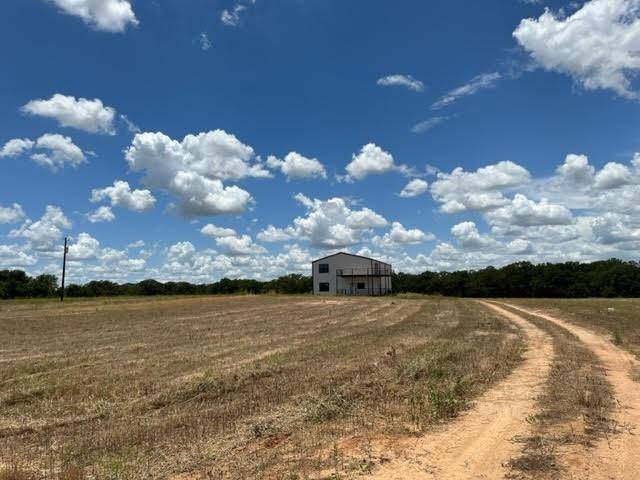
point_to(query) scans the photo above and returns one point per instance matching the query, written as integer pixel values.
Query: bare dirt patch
(573, 412)
(479, 443)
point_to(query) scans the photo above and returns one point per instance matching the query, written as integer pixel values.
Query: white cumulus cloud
(52, 150)
(527, 213)
(213, 231)
(11, 214)
(106, 15)
(15, 257)
(239, 246)
(45, 233)
(469, 238)
(295, 166)
(461, 191)
(414, 188)
(88, 115)
(329, 223)
(399, 236)
(598, 45)
(273, 234)
(371, 160)
(120, 194)
(194, 169)
(101, 214)
(16, 147)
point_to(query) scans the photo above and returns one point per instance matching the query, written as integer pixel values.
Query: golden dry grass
(233, 387)
(619, 319)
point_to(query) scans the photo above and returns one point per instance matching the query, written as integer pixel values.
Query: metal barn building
(347, 274)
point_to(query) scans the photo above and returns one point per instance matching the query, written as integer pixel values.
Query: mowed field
(242, 387)
(616, 319)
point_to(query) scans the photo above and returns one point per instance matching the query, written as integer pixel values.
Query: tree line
(17, 284)
(610, 278)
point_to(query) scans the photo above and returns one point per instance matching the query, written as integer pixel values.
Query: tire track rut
(479, 443)
(618, 456)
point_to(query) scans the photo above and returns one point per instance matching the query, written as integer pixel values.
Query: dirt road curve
(617, 457)
(479, 442)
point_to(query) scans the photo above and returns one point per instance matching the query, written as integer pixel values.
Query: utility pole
(64, 268)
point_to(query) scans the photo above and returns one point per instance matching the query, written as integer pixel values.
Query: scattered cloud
(44, 234)
(482, 190)
(239, 246)
(399, 236)
(527, 213)
(11, 214)
(414, 188)
(105, 15)
(329, 223)
(272, 234)
(88, 115)
(15, 257)
(613, 175)
(481, 82)
(185, 262)
(101, 214)
(597, 46)
(398, 80)
(295, 166)
(428, 124)
(16, 147)
(84, 247)
(371, 160)
(469, 238)
(193, 170)
(59, 151)
(121, 195)
(132, 127)
(205, 43)
(214, 231)
(232, 17)
(53, 151)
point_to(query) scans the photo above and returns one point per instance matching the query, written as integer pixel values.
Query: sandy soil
(478, 444)
(616, 457)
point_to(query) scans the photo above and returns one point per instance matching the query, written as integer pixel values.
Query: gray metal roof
(351, 255)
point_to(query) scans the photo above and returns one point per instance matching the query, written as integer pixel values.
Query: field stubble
(234, 387)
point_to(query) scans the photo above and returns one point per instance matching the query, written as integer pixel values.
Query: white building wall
(346, 284)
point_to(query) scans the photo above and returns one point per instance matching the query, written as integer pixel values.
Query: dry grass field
(235, 387)
(618, 319)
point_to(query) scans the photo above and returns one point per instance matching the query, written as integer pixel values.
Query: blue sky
(196, 139)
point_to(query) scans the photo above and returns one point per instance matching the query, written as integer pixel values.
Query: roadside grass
(235, 387)
(619, 319)
(574, 409)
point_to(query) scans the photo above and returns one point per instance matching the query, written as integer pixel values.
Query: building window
(361, 286)
(323, 268)
(324, 287)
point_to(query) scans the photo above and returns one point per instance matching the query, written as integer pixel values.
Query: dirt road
(479, 443)
(616, 457)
